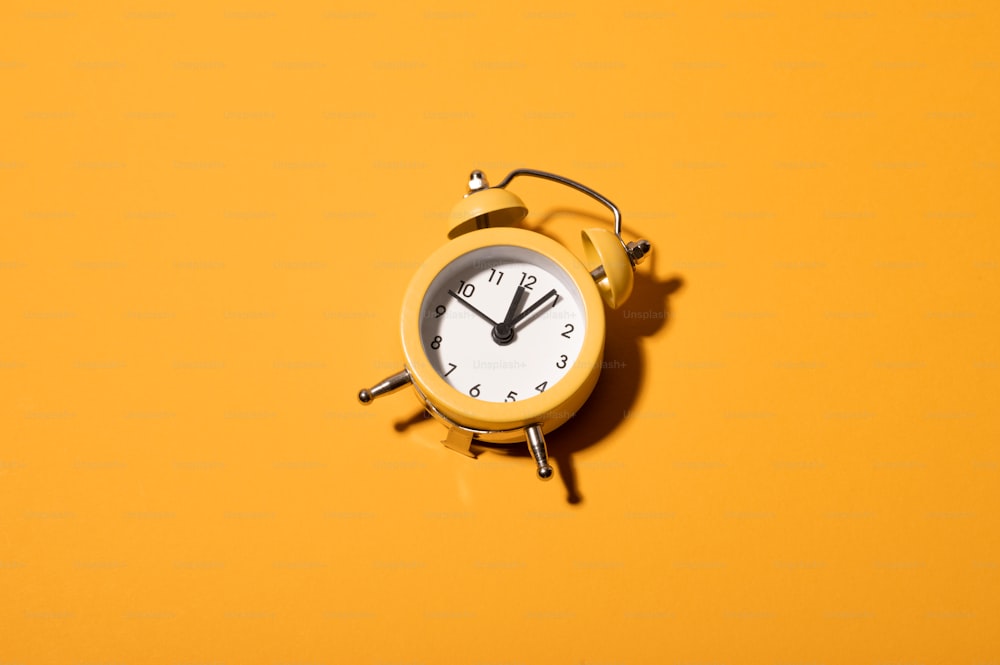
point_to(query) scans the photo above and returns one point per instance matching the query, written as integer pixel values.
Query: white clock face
(502, 323)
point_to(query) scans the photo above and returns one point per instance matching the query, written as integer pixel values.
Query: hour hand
(538, 303)
(473, 308)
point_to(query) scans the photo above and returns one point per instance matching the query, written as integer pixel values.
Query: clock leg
(385, 387)
(460, 441)
(536, 444)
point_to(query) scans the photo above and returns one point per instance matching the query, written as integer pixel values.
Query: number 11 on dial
(502, 340)
(503, 328)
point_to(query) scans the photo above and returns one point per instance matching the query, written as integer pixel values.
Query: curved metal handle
(580, 187)
(636, 251)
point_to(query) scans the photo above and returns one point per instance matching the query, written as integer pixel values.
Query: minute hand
(472, 307)
(538, 303)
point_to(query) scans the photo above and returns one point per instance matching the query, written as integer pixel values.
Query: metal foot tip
(545, 472)
(365, 396)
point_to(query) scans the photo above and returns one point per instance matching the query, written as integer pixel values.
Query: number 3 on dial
(502, 332)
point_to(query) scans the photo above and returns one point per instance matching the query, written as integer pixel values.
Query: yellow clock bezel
(550, 408)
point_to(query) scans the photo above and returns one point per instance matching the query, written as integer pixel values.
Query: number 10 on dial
(503, 328)
(502, 340)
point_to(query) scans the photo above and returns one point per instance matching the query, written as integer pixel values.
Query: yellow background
(209, 214)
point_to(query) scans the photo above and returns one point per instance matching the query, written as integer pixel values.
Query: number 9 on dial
(503, 328)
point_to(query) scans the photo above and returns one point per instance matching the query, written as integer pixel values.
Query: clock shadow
(646, 314)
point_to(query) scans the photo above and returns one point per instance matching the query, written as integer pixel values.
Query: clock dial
(502, 323)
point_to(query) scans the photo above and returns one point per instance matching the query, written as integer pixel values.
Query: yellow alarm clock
(503, 328)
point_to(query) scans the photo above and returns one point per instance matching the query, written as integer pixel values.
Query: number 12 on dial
(503, 328)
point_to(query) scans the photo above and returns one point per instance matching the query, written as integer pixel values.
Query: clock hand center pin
(503, 332)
